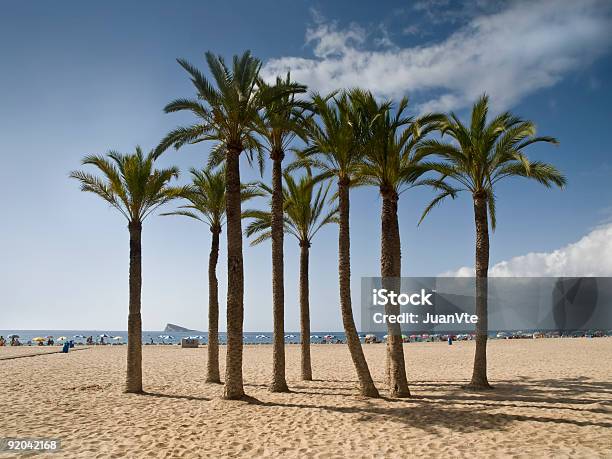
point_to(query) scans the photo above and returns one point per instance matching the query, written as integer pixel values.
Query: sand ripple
(552, 399)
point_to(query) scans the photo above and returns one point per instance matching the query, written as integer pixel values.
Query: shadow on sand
(175, 396)
(455, 409)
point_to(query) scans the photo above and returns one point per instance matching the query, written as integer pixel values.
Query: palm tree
(227, 113)
(304, 216)
(131, 185)
(336, 148)
(479, 156)
(281, 120)
(392, 165)
(206, 197)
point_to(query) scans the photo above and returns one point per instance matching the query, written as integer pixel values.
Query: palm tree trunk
(367, 387)
(479, 374)
(278, 384)
(134, 344)
(234, 388)
(305, 311)
(212, 366)
(390, 268)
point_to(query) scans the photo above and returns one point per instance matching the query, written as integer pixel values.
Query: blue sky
(82, 77)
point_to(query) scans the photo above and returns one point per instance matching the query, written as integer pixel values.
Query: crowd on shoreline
(104, 339)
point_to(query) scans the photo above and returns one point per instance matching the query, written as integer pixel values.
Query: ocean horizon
(160, 336)
(254, 337)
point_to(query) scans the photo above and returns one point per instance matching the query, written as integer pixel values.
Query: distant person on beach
(90, 340)
(2, 342)
(102, 340)
(152, 342)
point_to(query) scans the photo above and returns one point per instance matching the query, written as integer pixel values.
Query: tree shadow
(176, 396)
(455, 409)
(423, 415)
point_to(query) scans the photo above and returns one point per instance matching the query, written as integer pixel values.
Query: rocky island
(172, 328)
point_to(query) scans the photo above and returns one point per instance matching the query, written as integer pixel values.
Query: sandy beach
(552, 398)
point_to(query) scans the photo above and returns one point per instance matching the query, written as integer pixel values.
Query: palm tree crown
(226, 113)
(283, 118)
(304, 211)
(390, 159)
(206, 197)
(130, 183)
(484, 153)
(336, 141)
(230, 112)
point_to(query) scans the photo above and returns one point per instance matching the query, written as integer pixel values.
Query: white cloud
(590, 256)
(328, 41)
(412, 29)
(509, 54)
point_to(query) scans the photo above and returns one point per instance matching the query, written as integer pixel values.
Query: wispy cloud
(455, 11)
(590, 256)
(509, 54)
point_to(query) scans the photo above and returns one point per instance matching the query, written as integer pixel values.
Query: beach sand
(552, 398)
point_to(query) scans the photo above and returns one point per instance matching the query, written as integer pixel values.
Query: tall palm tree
(305, 215)
(477, 158)
(392, 165)
(227, 112)
(130, 184)
(336, 148)
(206, 197)
(282, 119)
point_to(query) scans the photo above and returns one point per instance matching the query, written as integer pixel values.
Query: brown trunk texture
(305, 312)
(278, 383)
(390, 269)
(234, 388)
(212, 366)
(366, 383)
(479, 374)
(134, 344)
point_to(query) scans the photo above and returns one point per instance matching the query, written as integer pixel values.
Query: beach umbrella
(117, 338)
(261, 337)
(328, 337)
(39, 338)
(12, 336)
(79, 336)
(104, 335)
(62, 338)
(49, 337)
(289, 336)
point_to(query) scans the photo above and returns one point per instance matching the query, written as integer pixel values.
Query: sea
(161, 337)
